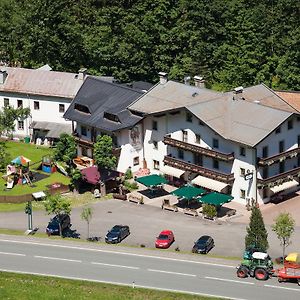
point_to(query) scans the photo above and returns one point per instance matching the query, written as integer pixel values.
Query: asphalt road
(137, 267)
(146, 222)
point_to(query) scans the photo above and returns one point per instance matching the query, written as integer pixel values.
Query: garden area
(34, 154)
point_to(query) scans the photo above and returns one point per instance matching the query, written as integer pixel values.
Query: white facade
(42, 108)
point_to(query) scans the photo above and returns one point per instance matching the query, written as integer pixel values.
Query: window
(265, 193)
(83, 131)
(82, 108)
(180, 154)
(215, 164)
(21, 125)
(6, 102)
(197, 138)
(155, 164)
(198, 159)
(242, 194)
(281, 146)
(265, 151)
(298, 140)
(265, 173)
(242, 151)
(281, 167)
(215, 143)
(136, 161)
(154, 125)
(155, 145)
(290, 124)
(61, 108)
(189, 117)
(36, 105)
(242, 172)
(278, 130)
(184, 136)
(20, 103)
(111, 117)
(298, 119)
(84, 151)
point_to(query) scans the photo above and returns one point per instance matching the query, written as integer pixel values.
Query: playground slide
(61, 169)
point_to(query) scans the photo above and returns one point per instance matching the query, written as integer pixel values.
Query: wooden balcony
(267, 161)
(198, 149)
(183, 165)
(82, 142)
(279, 178)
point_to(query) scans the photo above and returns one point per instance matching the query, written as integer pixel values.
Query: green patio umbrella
(189, 192)
(151, 180)
(216, 199)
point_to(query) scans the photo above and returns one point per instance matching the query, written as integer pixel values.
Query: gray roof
(248, 119)
(54, 129)
(41, 82)
(100, 97)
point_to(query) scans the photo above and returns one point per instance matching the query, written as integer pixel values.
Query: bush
(209, 211)
(128, 174)
(130, 185)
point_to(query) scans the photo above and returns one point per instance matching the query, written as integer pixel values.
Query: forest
(229, 42)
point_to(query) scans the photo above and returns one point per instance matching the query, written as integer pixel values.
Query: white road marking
(118, 266)
(58, 258)
(124, 284)
(229, 280)
(169, 272)
(12, 253)
(122, 253)
(281, 287)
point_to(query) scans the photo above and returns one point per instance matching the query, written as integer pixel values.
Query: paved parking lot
(146, 221)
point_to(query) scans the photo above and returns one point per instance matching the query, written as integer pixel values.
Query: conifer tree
(257, 235)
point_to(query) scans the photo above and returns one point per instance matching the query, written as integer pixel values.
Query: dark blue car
(53, 225)
(117, 234)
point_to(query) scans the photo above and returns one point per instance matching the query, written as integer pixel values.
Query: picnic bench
(167, 206)
(191, 212)
(135, 199)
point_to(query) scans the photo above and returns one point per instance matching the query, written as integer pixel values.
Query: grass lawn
(21, 286)
(35, 154)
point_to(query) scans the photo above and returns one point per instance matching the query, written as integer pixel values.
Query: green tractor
(258, 265)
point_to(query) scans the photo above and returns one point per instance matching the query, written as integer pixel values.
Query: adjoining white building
(100, 107)
(47, 93)
(245, 143)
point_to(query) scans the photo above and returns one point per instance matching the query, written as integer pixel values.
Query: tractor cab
(258, 265)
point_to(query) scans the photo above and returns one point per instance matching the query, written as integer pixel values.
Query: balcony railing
(182, 165)
(279, 178)
(198, 149)
(267, 161)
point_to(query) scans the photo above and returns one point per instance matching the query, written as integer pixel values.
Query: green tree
(103, 154)
(86, 215)
(4, 156)
(9, 115)
(65, 149)
(284, 227)
(76, 176)
(257, 235)
(58, 205)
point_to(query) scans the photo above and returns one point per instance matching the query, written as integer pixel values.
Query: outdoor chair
(97, 193)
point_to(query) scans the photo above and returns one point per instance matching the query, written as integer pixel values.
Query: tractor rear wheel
(261, 274)
(242, 272)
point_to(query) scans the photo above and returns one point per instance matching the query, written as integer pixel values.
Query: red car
(165, 239)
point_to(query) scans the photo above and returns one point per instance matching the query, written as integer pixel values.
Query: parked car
(204, 244)
(53, 225)
(117, 234)
(165, 239)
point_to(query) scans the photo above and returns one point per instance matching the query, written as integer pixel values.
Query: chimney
(238, 93)
(3, 75)
(163, 77)
(187, 80)
(199, 81)
(82, 74)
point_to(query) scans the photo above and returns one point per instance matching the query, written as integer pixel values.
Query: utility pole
(28, 211)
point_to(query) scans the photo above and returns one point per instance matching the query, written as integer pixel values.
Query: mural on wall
(135, 137)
